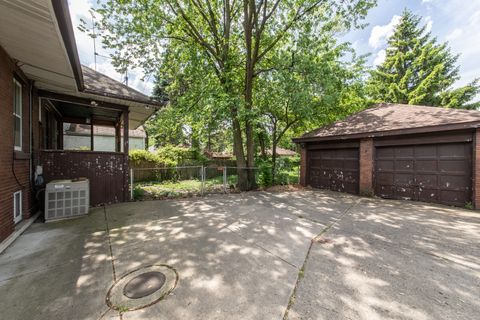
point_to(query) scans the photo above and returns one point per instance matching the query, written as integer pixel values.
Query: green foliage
(418, 70)
(168, 156)
(138, 193)
(265, 177)
(210, 59)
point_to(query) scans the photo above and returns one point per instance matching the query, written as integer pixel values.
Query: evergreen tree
(418, 70)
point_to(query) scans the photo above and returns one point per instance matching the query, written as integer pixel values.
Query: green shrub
(265, 178)
(137, 193)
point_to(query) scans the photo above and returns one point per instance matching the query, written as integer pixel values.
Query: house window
(17, 114)
(17, 206)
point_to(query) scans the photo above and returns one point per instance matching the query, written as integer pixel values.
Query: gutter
(60, 7)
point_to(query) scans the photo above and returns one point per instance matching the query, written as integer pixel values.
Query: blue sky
(455, 21)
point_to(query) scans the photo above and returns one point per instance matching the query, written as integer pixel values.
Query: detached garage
(397, 151)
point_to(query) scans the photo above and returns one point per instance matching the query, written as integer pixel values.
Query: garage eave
(376, 134)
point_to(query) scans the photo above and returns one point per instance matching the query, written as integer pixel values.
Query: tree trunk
(239, 153)
(261, 142)
(274, 150)
(249, 8)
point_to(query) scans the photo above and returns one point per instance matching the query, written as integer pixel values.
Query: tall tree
(418, 70)
(316, 80)
(230, 40)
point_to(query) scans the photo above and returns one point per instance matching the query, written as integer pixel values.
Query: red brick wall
(366, 167)
(12, 164)
(476, 170)
(303, 165)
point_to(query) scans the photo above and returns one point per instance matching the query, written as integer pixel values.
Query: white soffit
(29, 33)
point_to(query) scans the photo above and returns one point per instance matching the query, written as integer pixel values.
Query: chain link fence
(188, 181)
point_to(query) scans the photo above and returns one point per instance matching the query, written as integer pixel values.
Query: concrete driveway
(251, 256)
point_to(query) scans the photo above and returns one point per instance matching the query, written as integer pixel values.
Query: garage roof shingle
(386, 117)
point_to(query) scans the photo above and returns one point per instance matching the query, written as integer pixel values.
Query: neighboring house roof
(84, 130)
(281, 152)
(218, 155)
(390, 119)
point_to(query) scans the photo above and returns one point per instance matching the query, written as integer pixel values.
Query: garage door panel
(384, 178)
(334, 169)
(454, 197)
(385, 191)
(426, 165)
(351, 165)
(454, 182)
(436, 173)
(403, 179)
(385, 153)
(385, 165)
(453, 166)
(453, 151)
(329, 164)
(404, 165)
(404, 152)
(426, 151)
(426, 181)
(404, 193)
(428, 195)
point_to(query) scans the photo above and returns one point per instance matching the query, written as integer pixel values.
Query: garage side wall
(476, 169)
(366, 167)
(303, 165)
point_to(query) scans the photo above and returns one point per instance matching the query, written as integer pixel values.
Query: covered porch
(107, 171)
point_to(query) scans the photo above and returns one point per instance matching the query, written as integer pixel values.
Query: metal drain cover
(142, 287)
(144, 284)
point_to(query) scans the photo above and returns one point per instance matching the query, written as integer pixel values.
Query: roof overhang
(38, 35)
(139, 112)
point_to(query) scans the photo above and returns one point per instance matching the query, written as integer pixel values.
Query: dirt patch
(284, 188)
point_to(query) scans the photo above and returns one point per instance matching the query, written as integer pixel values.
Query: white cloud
(455, 34)
(475, 18)
(380, 57)
(428, 23)
(380, 34)
(79, 9)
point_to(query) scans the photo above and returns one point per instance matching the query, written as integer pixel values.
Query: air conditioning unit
(66, 199)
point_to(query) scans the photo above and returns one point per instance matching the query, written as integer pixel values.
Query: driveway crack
(107, 229)
(301, 272)
(262, 248)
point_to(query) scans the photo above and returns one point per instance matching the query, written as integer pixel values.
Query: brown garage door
(334, 169)
(438, 173)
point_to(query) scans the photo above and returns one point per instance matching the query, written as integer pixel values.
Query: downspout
(30, 113)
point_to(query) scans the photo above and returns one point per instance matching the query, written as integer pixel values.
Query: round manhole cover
(144, 284)
(142, 287)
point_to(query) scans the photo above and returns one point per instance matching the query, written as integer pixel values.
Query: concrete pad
(394, 260)
(224, 268)
(238, 257)
(56, 273)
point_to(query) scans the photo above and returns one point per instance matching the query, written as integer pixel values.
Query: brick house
(398, 151)
(42, 87)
